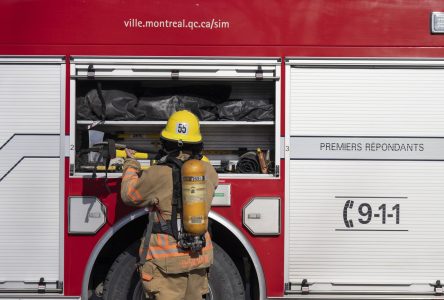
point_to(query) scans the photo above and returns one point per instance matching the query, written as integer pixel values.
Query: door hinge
(305, 288)
(91, 73)
(287, 286)
(41, 286)
(259, 73)
(59, 285)
(438, 288)
(175, 74)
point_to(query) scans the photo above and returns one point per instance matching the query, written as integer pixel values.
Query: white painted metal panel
(30, 122)
(324, 250)
(29, 218)
(352, 104)
(366, 101)
(29, 99)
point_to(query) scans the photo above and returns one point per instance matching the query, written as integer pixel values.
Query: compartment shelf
(221, 175)
(139, 126)
(205, 123)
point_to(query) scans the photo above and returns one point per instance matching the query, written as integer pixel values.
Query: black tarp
(160, 108)
(208, 103)
(120, 106)
(246, 110)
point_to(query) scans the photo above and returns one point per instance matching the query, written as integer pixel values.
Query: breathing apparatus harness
(173, 227)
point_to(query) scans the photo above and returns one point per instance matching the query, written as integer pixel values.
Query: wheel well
(236, 250)
(112, 249)
(134, 231)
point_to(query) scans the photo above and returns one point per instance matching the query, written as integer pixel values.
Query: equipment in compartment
(128, 112)
(144, 103)
(246, 110)
(107, 154)
(240, 160)
(111, 104)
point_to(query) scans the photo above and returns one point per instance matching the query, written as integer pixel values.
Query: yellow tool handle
(113, 168)
(137, 155)
(102, 168)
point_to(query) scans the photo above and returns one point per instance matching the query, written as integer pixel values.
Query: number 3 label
(182, 128)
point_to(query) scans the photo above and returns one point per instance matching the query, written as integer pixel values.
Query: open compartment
(127, 102)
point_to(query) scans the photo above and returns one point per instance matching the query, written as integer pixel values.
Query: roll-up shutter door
(31, 92)
(169, 68)
(366, 174)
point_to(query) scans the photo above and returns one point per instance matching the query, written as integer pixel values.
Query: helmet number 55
(182, 128)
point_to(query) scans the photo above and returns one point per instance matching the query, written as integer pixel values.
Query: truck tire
(122, 281)
(225, 280)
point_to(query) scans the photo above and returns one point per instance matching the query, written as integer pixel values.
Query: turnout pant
(158, 285)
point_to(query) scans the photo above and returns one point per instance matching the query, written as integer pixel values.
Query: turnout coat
(154, 188)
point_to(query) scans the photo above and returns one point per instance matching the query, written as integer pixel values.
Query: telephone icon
(348, 205)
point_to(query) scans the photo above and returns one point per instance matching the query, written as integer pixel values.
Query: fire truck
(324, 120)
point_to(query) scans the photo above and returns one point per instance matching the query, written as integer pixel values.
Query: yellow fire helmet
(182, 126)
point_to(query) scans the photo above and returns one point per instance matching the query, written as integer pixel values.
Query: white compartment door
(366, 176)
(31, 181)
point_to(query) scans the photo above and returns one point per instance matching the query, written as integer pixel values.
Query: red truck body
(224, 29)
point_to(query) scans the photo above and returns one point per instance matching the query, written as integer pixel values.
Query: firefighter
(173, 262)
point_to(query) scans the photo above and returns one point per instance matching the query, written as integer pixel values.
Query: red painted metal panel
(253, 23)
(269, 249)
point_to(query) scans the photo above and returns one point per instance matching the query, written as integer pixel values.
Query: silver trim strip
(277, 128)
(287, 169)
(13, 59)
(62, 173)
(282, 147)
(363, 62)
(180, 78)
(171, 60)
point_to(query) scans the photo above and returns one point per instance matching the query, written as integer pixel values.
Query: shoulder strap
(176, 165)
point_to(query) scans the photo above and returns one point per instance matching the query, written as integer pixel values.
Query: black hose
(248, 163)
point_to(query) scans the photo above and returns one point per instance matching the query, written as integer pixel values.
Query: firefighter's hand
(130, 152)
